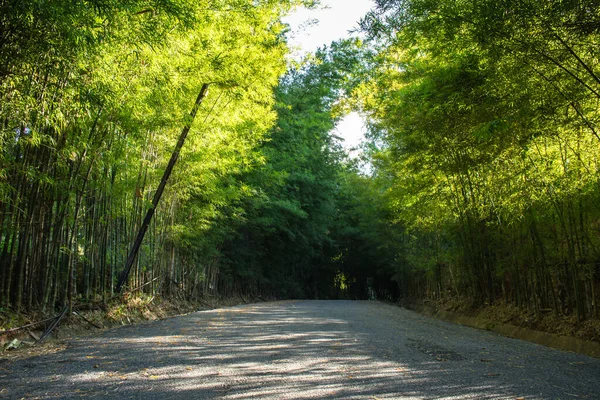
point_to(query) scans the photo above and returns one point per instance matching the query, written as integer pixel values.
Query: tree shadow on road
(286, 350)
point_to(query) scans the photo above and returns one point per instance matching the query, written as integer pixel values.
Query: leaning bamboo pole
(161, 187)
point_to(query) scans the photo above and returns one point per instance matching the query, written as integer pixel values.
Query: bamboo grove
(93, 94)
(484, 117)
(93, 97)
(479, 178)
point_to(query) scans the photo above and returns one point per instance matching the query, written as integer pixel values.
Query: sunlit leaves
(94, 96)
(484, 117)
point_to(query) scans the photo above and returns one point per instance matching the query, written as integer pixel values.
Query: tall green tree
(486, 122)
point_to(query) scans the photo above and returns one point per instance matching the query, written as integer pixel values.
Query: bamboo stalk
(161, 187)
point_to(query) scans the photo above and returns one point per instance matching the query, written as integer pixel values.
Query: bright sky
(334, 21)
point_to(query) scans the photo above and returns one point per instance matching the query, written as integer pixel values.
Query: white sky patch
(351, 128)
(311, 29)
(335, 18)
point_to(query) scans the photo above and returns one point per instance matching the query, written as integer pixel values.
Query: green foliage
(487, 139)
(288, 218)
(92, 98)
(482, 168)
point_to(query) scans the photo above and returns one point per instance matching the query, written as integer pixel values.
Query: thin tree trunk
(161, 187)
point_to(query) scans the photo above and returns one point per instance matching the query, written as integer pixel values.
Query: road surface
(302, 350)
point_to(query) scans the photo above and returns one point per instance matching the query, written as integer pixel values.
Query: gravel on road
(302, 350)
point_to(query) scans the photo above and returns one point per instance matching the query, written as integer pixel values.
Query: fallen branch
(87, 320)
(54, 324)
(25, 326)
(145, 284)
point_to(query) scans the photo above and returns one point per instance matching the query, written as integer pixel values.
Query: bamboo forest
(174, 147)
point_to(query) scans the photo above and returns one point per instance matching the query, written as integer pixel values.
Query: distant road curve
(302, 350)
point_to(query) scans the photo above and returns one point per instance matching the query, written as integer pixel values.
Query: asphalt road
(302, 350)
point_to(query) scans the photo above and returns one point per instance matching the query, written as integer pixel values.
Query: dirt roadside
(93, 319)
(559, 332)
